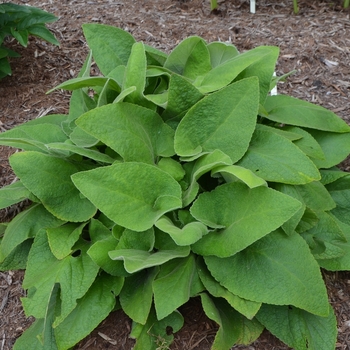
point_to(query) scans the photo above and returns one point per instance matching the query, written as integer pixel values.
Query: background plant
(178, 173)
(20, 21)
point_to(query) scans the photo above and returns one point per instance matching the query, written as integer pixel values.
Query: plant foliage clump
(20, 21)
(178, 176)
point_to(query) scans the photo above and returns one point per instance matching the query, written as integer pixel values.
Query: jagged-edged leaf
(241, 222)
(272, 271)
(226, 118)
(134, 195)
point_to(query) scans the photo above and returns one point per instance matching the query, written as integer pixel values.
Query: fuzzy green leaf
(224, 120)
(13, 193)
(137, 134)
(111, 46)
(221, 52)
(274, 158)
(298, 328)
(137, 295)
(74, 274)
(292, 111)
(272, 271)
(134, 195)
(257, 212)
(48, 178)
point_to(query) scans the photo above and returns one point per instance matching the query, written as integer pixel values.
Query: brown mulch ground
(316, 43)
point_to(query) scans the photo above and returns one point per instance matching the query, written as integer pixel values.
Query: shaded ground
(316, 43)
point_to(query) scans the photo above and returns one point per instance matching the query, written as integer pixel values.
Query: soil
(315, 43)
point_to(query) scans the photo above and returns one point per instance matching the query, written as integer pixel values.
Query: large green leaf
(136, 133)
(176, 274)
(90, 311)
(13, 193)
(335, 146)
(190, 58)
(110, 46)
(134, 195)
(220, 52)
(244, 215)
(137, 295)
(292, 111)
(48, 178)
(300, 329)
(234, 328)
(33, 137)
(245, 307)
(74, 274)
(26, 225)
(224, 120)
(272, 271)
(274, 158)
(224, 73)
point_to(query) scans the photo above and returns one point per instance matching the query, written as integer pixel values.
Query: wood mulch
(315, 43)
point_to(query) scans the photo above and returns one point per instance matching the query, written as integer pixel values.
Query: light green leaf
(137, 295)
(232, 173)
(89, 153)
(292, 111)
(40, 335)
(85, 82)
(224, 120)
(172, 167)
(90, 311)
(74, 274)
(110, 46)
(124, 93)
(263, 69)
(135, 73)
(25, 225)
(335, 146)
(221, 52)
(274, 158)
(184, 236)
(138, 134)
(175, 275)
(190, 58)
(17, 259)
(272, 271)
(204, 164)
(137, 260)
(182, 95)
(134, 195)
(33, 137)
(331, 175)
(48, 178)
(257, 212)
(13, 193)
(300, 329)
(245, 307)
(307, 143)
(61, 239)
(137, 240)
(223, 74)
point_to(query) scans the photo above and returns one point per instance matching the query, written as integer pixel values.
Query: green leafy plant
(20, 21)
(172, 177)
